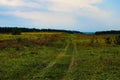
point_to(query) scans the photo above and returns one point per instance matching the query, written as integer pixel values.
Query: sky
(80, 15)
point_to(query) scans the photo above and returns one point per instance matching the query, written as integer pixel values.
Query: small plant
(18, 39)
(92, 41)
(117, 40)
(34, 52)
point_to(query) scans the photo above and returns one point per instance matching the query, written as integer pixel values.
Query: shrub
(108, 40)
(94, 41)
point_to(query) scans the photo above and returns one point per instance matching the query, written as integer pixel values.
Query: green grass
(58, 57)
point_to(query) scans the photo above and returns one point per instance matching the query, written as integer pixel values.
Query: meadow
(59, 56)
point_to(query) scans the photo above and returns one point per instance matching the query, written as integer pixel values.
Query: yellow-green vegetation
(59, 56)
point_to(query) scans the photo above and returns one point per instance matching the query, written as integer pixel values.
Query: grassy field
(58, 56)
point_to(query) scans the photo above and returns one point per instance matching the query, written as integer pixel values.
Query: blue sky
(82, 15)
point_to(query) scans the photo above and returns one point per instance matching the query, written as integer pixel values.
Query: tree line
(18, 30)
(107, 32)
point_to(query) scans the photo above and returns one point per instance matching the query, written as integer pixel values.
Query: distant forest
(9, 29)
(107, 32)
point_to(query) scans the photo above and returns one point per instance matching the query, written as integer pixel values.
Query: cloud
(17, 3)
(45, 18)
(71, 5)
(80, 8)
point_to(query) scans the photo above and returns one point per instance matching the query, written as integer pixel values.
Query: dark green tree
(15, 31)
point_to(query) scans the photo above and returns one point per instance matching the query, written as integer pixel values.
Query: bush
(108, 40)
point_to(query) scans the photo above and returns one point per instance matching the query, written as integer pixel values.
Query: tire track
(51, 64)
(72, 63)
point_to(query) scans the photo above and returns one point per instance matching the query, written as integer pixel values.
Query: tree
(15, 31)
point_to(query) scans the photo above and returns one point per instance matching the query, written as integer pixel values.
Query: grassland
(58, 56)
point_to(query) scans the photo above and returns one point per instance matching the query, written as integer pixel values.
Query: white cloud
(21, 3)
(71, 5)
(79, 8)
(45, 18)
